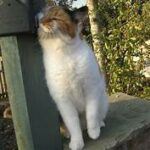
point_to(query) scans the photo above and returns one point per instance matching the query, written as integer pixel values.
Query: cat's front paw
(76, 144)
(94, 133)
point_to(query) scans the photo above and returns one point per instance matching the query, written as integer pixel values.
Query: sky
(79, 3)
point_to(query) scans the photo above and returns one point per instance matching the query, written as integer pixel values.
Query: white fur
(76, 85)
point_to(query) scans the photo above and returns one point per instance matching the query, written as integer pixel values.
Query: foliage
(123, 35)
(67, 3)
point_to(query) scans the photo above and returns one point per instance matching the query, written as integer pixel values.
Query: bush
(125, 28)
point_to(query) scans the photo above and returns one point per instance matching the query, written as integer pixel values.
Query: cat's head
(58, 20)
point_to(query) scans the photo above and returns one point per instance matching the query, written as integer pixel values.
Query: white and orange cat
(72, 72)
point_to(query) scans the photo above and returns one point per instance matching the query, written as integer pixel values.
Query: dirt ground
(7, 134)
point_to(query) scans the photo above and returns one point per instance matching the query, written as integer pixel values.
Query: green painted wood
(16, 92)
(38, 5)
(15, 17)
(42, 111)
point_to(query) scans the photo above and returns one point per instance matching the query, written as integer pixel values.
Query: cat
(73, 77)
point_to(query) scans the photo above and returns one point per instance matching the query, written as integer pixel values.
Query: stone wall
(127, 125)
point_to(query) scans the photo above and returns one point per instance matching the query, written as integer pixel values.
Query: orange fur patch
(63, 20)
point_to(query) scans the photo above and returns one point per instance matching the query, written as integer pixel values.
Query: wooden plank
(14, 17)
(16, 92)
(38, 5)
(42, 111)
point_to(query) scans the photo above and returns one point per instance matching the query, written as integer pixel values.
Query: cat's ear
(80, 15)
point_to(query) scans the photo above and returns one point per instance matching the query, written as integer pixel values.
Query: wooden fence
(3, 86)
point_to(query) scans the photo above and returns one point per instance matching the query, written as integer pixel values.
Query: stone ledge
(127, 125)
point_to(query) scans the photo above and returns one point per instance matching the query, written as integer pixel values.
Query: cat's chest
(67, 65)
